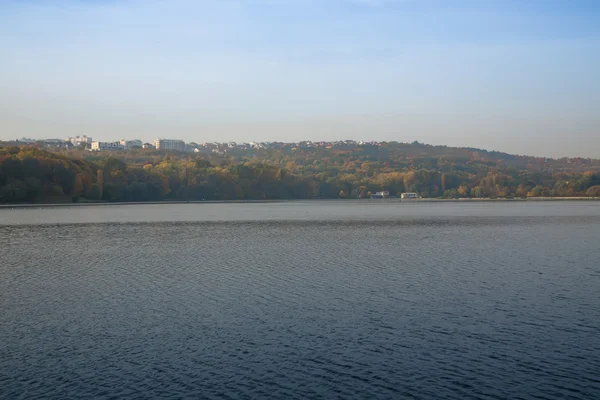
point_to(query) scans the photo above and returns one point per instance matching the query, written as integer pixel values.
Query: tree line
(30, 174)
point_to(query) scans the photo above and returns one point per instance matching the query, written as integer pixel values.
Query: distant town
(87, 143)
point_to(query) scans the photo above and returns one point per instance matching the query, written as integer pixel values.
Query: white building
(410, 196)
(129, 144)
(169, 144)
(99, 146)
(77, 140)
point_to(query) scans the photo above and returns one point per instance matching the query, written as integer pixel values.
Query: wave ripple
(486, 308)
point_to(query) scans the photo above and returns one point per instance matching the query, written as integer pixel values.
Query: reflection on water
(447, 301)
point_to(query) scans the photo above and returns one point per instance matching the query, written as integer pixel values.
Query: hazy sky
(520, 76)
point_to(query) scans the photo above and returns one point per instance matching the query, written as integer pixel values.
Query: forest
(29, 174)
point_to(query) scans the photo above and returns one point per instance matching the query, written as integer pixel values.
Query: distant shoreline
(426, 200)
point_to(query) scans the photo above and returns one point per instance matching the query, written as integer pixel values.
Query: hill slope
(288, 171)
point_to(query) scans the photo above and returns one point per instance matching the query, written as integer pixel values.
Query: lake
(316, 299)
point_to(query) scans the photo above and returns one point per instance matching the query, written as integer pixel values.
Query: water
(326, 299)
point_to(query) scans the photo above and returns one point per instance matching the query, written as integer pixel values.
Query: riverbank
(468, 199)
(425, 200)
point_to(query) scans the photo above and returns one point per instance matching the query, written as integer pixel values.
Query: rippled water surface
(301, 300)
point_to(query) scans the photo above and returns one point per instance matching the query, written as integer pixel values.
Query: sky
(521, 76)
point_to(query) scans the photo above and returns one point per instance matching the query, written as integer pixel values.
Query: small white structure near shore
(381, 195)
(410, 196)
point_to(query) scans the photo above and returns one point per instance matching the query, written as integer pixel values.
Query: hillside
(287, 171)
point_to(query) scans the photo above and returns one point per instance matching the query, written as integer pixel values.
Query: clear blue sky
(518, 76)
